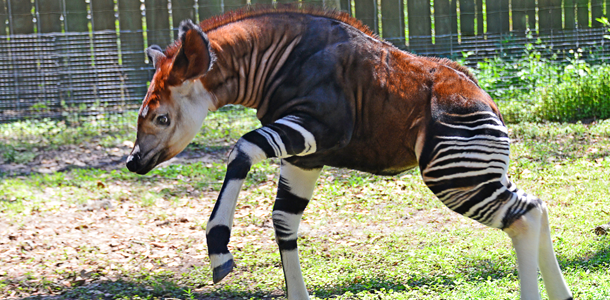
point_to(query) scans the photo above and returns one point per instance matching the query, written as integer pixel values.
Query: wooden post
(157, 22)
(49, 16)
(75, 50)
(498, 19)
(569, 16)
(420, 26)
(3, 18)
(21, 17)
(346, 6)
(209, 8)
(182, 10)
(582, 8)
(597, 11)
(524, 15)
(234, 4)
(393, 22)
(480, 21)
(106, 53)
(445, 17)
(132, 51)
(334, 4)
(549, 15)
(102, 12)
(254, 2)
(76, 16)
(467, 17)
(366, 11)
(46, 80)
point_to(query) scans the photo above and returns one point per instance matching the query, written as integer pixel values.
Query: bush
(536, 89)
(578, 98)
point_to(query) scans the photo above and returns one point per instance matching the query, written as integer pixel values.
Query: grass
(362, 236)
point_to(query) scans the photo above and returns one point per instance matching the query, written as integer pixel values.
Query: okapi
(328, 92)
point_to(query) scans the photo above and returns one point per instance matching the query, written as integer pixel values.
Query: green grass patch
(362, 236)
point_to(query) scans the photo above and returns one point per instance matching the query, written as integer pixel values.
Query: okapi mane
(259, 10)
(454, 65)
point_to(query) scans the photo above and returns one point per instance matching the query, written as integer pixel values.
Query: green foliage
(578, 97)
(535, 88)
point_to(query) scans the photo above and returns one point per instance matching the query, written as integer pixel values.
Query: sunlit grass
(362, 236)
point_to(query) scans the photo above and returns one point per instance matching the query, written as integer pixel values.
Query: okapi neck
(249, 55)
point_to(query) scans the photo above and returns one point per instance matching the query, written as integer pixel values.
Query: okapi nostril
(132, 162)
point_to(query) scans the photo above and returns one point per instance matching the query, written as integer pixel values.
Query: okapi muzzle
(176, 102)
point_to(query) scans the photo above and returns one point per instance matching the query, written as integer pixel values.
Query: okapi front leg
(294, 191)
(218, 231)
(286, 137)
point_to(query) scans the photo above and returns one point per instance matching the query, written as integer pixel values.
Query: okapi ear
(155, 54)
(194, 58)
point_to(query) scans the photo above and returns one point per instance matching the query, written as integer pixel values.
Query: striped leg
(465, 165)
(293, 194)
(284, 138)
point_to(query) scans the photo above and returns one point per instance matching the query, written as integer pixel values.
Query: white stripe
(501, 154)
(492, 143)
(479, 120)
(493, 196)
(253, 151)
(278, 141)
(500, 213)
(465, 174)
(310, 141)
(472, 114)
(476, 137)
(219, 259)
(469, 155)
(226, 210)
(301, 182)
(295, 284)
(466, 164)
(291, 221)
(466, 195)
(485, 126)
(270, 141)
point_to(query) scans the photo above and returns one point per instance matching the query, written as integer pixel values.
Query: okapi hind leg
(465, 164)
(531, 236)
(554, 282)
(294, 191)
(525, 234)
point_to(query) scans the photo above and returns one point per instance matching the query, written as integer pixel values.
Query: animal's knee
(286, 229)
(528, 223)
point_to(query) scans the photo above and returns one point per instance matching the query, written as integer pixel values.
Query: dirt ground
(63, 245)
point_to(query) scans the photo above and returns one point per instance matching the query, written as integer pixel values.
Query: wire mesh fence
(79, 58)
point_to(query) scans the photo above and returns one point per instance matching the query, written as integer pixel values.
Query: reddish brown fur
(413, 86)
(256, 11)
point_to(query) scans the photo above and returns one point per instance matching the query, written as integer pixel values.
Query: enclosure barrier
(61, 58)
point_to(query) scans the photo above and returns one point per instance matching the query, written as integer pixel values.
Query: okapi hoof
(223, 270)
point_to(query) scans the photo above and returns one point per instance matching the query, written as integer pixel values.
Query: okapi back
(330, 68)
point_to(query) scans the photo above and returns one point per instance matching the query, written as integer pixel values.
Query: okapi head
(176, 102)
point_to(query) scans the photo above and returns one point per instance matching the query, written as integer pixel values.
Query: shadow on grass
(164, 286)
(155, 289)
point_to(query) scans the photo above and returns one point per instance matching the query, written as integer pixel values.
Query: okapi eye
(163, 120)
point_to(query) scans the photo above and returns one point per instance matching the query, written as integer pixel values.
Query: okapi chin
(328, 92)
